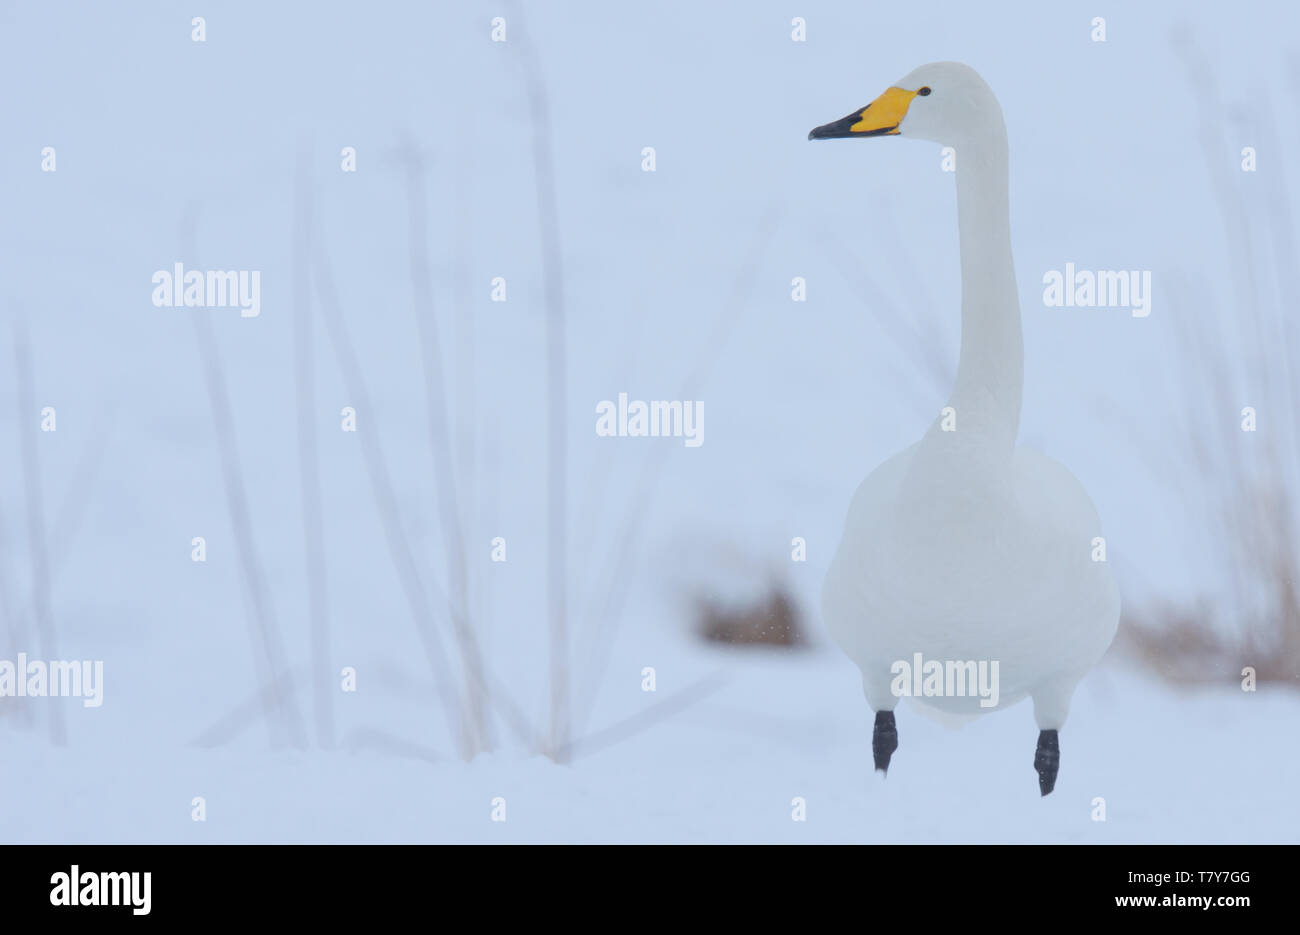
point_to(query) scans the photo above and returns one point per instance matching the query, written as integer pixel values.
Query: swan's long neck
(990, 371)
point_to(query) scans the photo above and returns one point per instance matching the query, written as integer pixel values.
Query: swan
(965, 548)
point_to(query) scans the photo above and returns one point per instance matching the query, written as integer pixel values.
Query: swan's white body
(964, 547)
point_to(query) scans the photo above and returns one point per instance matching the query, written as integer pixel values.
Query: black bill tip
(839, 129)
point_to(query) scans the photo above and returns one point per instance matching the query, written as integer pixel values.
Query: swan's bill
(879, 118)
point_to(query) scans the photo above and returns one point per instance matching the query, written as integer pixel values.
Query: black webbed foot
(1047, 759)
(884, 740)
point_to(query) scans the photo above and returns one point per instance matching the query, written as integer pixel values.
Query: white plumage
(963, 546)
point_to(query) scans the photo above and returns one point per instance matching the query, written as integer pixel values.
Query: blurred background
(648, 661)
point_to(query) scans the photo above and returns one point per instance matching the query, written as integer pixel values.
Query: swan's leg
(884, 736)
(1051, 707)
(1047, 759)
(884, 740)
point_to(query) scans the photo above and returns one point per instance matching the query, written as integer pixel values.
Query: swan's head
(944, 102)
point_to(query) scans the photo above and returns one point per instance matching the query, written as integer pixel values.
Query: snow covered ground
(676, 282)
(1171, 767)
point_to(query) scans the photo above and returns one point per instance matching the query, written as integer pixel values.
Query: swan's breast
(971, 564)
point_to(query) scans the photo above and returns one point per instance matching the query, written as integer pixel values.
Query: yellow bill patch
(885, 113)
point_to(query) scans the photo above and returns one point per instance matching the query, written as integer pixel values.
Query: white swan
(965, 548)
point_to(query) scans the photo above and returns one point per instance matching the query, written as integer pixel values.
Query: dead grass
(1237, 350)
(772, 619)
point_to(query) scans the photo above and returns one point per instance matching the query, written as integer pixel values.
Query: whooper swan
(964, 549)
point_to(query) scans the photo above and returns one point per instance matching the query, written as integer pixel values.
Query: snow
(1181, 768)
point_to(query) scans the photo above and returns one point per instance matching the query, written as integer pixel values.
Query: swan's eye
(924, 92)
